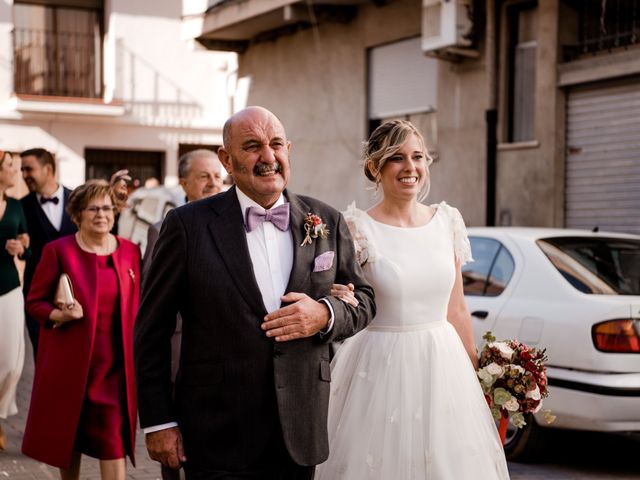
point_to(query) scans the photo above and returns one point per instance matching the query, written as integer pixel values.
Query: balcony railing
(604, 26)
(67, 64)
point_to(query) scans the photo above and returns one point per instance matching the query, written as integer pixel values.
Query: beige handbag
(64, 292)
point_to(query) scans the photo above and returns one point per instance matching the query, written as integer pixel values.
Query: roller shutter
(603, 157)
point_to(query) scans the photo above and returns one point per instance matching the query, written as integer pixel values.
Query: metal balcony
(603, 26)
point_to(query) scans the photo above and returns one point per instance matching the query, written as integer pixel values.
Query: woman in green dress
(13, 241)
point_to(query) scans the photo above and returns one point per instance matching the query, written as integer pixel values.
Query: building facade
(530, 107)
(108, 84)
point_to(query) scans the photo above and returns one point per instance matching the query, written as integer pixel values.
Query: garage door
(603, 157)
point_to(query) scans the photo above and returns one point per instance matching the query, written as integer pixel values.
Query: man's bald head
(253, 112)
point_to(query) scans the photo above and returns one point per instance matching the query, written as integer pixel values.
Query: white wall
(163, 79)
(172, 91)
(6, 52)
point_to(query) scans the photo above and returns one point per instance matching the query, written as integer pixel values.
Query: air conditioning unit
(448, 29)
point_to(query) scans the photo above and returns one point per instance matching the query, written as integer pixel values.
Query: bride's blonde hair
(384, 142)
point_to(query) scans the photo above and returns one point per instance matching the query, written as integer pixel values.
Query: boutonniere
(132, 274)
(313, 228)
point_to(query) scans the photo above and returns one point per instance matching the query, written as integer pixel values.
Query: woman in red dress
(83, 398)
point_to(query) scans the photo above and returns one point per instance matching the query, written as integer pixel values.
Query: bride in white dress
(405, 400)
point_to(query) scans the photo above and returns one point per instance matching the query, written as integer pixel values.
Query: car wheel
(524, 444)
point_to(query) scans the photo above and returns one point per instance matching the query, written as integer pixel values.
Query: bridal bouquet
(514, 380)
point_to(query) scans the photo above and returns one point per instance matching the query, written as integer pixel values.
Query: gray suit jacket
(236, 388)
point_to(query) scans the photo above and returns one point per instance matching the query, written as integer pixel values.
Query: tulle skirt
(406, 404)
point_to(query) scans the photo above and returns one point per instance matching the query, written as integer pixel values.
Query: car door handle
(481, 314)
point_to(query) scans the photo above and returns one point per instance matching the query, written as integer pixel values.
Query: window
(521, 63)
(403, 83)
(501, 273)
(605, 266)
(57, 50)
(491, 271)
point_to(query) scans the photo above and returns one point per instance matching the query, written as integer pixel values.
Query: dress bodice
(412, 270)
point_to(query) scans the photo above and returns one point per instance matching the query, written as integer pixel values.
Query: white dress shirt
(51, 210)
(271, 252)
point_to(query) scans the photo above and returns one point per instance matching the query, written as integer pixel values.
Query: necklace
(99, 250)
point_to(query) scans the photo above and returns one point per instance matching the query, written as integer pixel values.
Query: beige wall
(531, 177)
(320, 93)
(459, 177)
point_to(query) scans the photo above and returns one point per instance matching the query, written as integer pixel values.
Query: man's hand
(304, 317)
(165, 446)
(345, 293)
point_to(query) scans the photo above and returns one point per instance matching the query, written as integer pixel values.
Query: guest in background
(47, 220)
(119, 181)
(200, 174)
(13, 241)
(83, 393)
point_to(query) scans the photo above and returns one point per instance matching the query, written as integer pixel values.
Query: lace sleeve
(461, 245)
(365, 250)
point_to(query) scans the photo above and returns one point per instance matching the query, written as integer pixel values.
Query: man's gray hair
(184, 164)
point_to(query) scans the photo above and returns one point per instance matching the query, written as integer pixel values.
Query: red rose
(525, 355)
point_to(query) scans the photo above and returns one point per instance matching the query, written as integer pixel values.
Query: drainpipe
(491, 115)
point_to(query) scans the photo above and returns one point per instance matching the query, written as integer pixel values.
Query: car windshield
(605, 266)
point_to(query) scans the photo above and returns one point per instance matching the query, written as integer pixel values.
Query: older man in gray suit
(200, 176)
(251, 272)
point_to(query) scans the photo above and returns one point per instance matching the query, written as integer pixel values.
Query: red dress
(84, 388)
(103, 420)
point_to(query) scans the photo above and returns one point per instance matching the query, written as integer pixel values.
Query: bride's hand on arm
(345, 293)
(458, 315)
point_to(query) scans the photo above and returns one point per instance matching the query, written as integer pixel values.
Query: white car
(577, 294)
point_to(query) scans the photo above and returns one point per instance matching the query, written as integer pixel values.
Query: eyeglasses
(94, 209)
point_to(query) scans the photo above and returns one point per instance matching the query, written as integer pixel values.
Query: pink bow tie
(279, 216)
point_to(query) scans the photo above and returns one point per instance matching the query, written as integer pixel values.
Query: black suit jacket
(236, 388)
(42, 232)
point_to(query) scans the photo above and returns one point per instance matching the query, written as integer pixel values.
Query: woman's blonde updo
(384, 142)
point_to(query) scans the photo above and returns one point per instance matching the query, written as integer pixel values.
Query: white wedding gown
(405, 400)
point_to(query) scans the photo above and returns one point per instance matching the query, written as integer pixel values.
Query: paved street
(569, 455)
